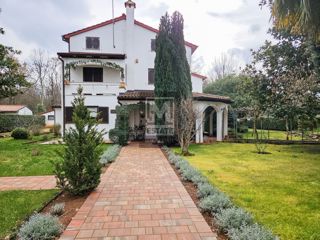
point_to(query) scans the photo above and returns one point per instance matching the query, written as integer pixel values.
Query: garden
(280, 189)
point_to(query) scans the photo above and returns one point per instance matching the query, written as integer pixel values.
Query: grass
(15, 206)
(18, 158)
(281, 189)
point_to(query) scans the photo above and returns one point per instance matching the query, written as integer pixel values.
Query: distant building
(49, 118)
(15, 109)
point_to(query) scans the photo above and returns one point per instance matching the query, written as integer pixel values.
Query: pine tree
(79, 172)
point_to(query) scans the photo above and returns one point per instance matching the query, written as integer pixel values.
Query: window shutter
(68, 114)
(153, 45)
(104, 114)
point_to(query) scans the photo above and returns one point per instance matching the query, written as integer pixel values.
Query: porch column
(211, 124)
(219, 124)
(225, 118)
(199, 130)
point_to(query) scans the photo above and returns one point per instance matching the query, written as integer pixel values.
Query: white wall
(78, 42)
(25, 111)
(139, 57)
(47, 121)
(197, 84)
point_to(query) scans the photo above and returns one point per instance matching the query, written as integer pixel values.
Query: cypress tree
(181, 68)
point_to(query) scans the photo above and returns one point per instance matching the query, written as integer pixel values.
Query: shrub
(188, 172)
(110, 154)
(79, 172)
(198, 179)
(233, 217)
(206, 189)
(35, 129)
(56, 130)
(215, 203)
(120, 134)
(8, 122)
(39, 227)
(57, 209)
(251, 232)
(20, 133)
(45, 138)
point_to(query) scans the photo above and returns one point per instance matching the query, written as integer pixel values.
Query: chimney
(130, 6)
(130, 48)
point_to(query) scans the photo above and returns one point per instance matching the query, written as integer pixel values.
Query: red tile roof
(11, 108)
(67, 36)
(199, 76)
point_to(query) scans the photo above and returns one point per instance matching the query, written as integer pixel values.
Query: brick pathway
(27, 183)
(140, 197)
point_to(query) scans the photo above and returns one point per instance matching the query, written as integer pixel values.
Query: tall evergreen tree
(172, 71)
(181, 68)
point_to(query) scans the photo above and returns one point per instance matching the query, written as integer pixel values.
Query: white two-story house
(114, 63)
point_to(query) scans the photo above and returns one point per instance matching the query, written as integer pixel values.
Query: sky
(217, 27)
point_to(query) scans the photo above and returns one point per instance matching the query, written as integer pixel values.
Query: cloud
(232, 26)
(41, 23)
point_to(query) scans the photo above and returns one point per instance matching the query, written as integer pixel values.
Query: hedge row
(10, 121)
(234, 221)
(272, 124)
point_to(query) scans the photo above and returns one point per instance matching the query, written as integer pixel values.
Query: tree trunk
(287, 128)
(255, 132)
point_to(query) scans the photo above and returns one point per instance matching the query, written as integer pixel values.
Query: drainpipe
(63, 100)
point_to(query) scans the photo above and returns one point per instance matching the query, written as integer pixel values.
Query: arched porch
(212, 120)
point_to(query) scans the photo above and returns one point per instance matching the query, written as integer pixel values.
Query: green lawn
(281, 189)
(17, 157)
(15, 206)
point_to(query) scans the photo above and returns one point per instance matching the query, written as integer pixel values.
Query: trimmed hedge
(236, 222)
(10, 121)
(272, 124)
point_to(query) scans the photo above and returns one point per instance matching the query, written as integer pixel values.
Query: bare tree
(53, 87)
(222, 66)
(185, 126)
(38, 71)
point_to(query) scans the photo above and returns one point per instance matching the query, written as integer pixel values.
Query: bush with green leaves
(120, 134)
(231, 218)
(251, 232)
(215, 203)
(40, 227)
(56, 130)
(20, 133)
(110, 154)
(57, 209)
(80, 169)
(206, 189)
(8, 122)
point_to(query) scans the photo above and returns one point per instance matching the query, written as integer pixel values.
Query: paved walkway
(27, 183)
(140, 197)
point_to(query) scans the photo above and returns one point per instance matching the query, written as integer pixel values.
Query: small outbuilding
(15, 109)
(49, 118)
